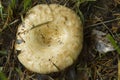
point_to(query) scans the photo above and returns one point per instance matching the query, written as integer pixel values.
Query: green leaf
(2, 76)
(113, 42)
(27, 4)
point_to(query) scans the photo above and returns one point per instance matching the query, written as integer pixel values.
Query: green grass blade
(12, 4)
(11, 7)
(81, 16)
(113, 42)
(26, 4)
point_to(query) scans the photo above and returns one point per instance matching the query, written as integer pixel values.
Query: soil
(102, 15)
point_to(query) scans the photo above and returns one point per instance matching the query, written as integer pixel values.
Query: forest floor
(101, 15)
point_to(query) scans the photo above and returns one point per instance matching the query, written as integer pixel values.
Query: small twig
(14, 22)
(54, 65)
(39, 25)
(105, 22)
(10, 73)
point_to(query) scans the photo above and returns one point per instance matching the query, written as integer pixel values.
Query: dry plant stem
(102, 22)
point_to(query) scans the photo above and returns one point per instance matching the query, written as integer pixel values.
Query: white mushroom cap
(50, 38)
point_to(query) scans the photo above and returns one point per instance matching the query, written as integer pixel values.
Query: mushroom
(49, 38)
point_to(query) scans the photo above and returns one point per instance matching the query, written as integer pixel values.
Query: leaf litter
(101, 15)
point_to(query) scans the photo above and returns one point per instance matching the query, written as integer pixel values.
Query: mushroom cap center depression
(53, 43)
(47, 36)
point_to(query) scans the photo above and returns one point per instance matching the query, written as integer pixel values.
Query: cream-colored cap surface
(49, 39)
